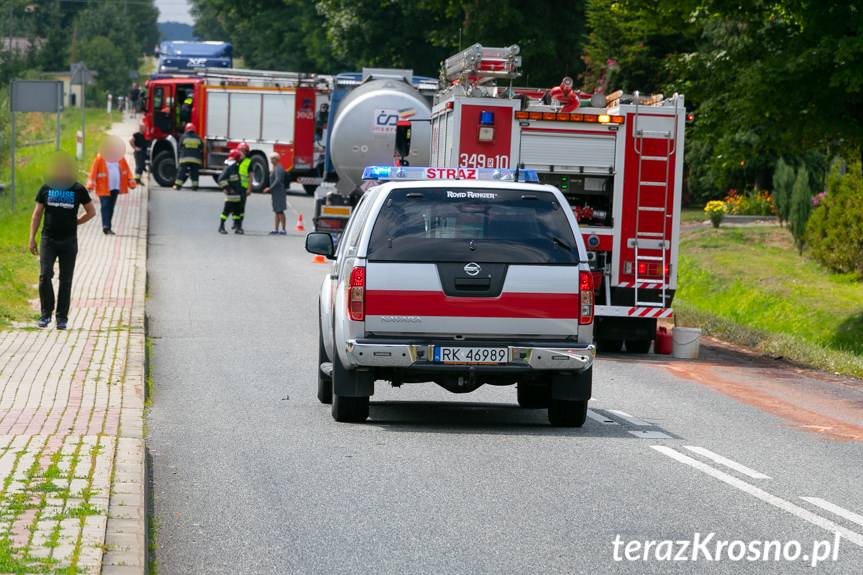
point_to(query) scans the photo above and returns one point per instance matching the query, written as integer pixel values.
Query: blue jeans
(108, 203)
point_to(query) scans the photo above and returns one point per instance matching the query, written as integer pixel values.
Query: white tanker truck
(363, 112)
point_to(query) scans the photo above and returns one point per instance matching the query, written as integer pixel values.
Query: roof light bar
(413, 173)
(563, 117)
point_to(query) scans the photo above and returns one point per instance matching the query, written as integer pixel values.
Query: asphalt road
(252, 476)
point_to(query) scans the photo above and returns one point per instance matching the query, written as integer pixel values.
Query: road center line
(759, 493)
(629, 418)
(600, 418)
(740, 468)
(832, 508)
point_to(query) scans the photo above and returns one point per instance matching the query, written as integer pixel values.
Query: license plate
(471, 355)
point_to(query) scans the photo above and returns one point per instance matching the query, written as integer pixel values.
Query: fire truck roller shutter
(541, 149)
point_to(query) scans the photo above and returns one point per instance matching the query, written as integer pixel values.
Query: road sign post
(81, 77)
(33, 96)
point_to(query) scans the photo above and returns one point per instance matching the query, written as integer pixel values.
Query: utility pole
(11, 29)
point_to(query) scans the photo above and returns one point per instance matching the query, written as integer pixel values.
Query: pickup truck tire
(533, 396)
(638, 345)
(567, 412)
(350, 409)
(609, 345)
(325, 384)
(164, 169)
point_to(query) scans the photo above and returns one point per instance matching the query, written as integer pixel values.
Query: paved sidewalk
(71, 414)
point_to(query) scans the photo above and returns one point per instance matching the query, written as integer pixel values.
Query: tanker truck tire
(259, 173)
(164, 169)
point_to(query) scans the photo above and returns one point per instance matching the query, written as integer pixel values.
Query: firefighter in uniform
(191, 157)
(229, 181)
(243, 147)
(185, 114)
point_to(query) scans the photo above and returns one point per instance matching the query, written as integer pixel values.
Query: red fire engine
(271, 111)
(618, 160)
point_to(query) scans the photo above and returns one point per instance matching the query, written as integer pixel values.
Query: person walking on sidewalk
(140, 144)
(229, 181)
(110, 176)
(244, 181)
(58, 201)
(134, 97)
(277, 193)
(191, 157)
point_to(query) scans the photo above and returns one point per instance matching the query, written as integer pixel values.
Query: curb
(126, 529)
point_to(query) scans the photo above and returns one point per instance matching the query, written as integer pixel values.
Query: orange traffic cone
(300, 227)
(319, 260)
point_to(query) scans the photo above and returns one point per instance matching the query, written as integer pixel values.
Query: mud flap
(572, 387)
(352, 383)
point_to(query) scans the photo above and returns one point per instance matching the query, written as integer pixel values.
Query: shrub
(750, 203)
(801, 206)
(783, 183)
(834, 232)
(715, 210)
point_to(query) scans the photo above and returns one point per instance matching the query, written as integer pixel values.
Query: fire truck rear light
(604, 119)
(585, 298)
(536, 115)
(449, 105)
(617, 119)
(357, 295)
(549, 116)
(642, 269)
(522, 116)
(590, 118)
(666, 268)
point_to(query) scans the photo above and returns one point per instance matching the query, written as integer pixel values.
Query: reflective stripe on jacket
(191, 149)
(244, 172)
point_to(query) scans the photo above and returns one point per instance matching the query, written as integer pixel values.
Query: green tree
(834, 232)
(801, 206)
(783, 184)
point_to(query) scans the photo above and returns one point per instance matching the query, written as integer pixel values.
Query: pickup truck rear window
(486, 225)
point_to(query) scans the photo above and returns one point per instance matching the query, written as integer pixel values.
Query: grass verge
(748, 285)
(19, 271)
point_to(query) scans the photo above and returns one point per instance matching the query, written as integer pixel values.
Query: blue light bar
(412, 173)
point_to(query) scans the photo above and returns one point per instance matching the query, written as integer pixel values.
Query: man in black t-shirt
(58, 201)
(134, 98)
(139, 145)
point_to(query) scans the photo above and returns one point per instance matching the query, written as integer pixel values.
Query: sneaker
(61, 323)
(44, 321)
(109, 232)
(283, 233)
(274, 233)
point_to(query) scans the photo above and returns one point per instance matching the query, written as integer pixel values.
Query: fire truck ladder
(481, 62)
(651, 245)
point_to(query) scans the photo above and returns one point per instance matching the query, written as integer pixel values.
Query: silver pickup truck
(462, 278)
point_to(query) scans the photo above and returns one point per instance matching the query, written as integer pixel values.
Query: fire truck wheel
(533, 396)
(310, 188)
(567, 413)
(609, 345)
(325, 384)
(259, 173)
(164, 169)
(638, 345)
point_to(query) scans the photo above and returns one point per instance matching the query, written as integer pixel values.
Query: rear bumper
(523, 357)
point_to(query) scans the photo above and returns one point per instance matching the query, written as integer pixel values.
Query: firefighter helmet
(190, 127)
(243, 146)
(235, 155)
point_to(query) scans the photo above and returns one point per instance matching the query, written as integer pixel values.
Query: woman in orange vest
(109, 177)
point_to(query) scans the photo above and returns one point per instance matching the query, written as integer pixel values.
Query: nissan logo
(472, 269)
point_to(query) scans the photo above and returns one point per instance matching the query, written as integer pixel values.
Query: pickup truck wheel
(325, 384)
(533, 396)
(609, 345)
(350, 409)
(567, 413)
(638, 345)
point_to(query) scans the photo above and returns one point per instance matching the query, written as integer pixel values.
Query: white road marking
(629, 418)
(648, 434)
(600, 418)
(840, 511)
(727, 462)
(759, 493)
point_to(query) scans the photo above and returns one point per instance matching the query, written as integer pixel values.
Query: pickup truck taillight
(357, 295)
(585, 298)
